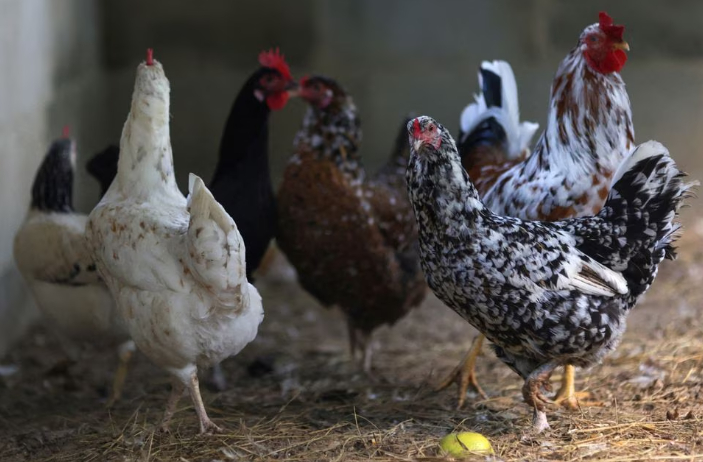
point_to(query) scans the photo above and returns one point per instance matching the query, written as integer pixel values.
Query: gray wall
(73, 61)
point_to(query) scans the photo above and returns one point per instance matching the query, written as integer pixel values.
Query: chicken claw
(537, 381)
(568, 397)
(464, 374)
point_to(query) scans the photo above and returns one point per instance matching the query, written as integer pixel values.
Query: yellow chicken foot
(567, 395)
(125, 353)
(464, 374)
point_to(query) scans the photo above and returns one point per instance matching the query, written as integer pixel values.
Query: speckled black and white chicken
(175, 267)
(54, 259)
(588, 134)
(545, 294)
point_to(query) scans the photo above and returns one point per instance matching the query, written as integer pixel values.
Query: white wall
(49, 77)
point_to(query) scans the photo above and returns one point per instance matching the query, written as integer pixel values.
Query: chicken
(242, 181)
(491, 138)
(588, 134)
(103, 167)
(175, 267)
(54, 259)
(351, 239)
(546, 294)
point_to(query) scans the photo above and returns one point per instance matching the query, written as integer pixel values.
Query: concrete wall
(50, 77)
(394, 56)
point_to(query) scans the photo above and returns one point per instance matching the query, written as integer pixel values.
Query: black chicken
(546, 294)
(242, 180)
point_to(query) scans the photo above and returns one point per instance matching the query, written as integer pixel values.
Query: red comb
(605, 23)
(275, 60)
(65, 131)
(416, 128)
(149, 56)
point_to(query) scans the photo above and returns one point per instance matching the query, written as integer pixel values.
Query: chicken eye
(430, 128)
(592, 38)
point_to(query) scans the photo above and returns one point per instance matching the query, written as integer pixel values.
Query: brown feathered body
(352, 239)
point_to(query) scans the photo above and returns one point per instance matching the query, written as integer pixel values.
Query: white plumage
(53, 257)
(175, 267)
(507, 113)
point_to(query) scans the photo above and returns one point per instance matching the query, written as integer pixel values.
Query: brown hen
(352, 239)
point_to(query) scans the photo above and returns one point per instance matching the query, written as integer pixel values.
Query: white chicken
(176, 268)
(54, 259)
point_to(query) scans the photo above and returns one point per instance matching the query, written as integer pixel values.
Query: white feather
(175, 267)
(508, 115)
(53, 257)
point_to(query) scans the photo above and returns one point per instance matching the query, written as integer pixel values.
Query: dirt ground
(294, 395)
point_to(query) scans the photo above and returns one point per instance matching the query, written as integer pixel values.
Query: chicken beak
(621, 46)
(417, 144)
(292, 88)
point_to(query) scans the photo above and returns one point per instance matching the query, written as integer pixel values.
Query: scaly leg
(360, 346)
(464, 374)
(537, 381)
(125, 353)
(206, 425)
(567, 395)
(177, 389)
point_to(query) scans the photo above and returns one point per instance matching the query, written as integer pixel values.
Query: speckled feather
(351, 239)
(540, 291)
(589, 132)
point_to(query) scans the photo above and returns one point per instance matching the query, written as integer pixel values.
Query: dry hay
(294, 396)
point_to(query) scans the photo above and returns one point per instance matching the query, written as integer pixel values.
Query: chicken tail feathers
(493, 120)
(647, 193)
(216, 253)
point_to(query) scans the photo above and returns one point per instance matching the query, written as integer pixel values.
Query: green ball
(465, 443)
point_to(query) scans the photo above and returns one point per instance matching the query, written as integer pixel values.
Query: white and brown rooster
(588, 134)
(175, 267)
(55, 261)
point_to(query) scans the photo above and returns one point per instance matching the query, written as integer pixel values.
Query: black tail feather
(492, 88)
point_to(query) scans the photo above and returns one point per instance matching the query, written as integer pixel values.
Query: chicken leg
(567, 395)
(206, 425)
(464, 374)
(125, 353)
(177, 389)
(361, 346)
(537, 381)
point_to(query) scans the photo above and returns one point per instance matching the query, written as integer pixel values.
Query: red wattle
(277, 101)
(613, 61)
